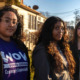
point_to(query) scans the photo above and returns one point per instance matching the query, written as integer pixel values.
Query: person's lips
(10, 30)
(59, 35)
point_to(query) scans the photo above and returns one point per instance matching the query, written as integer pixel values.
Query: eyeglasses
(8, 21)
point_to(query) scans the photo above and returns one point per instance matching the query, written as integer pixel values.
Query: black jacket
(76, 57)
(43, 63)
(40, 63)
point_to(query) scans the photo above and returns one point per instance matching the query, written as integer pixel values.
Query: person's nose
(11, 24)
(60, 30)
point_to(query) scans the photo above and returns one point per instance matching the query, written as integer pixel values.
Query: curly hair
(19, 32)
(18, 35)
(45, 36)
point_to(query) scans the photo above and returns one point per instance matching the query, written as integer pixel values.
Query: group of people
(53, 58)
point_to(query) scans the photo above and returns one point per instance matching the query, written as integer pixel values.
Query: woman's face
(78, 32)
(8, 24)
(58, 31)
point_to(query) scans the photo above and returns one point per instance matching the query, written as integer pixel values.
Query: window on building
(39, 18)
(29, 21)
(33, 22)
(39, 25)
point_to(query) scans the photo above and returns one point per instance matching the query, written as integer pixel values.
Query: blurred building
(70, 32)
(32, 21)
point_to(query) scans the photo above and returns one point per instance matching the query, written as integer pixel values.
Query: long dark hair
(75, 37)
(45, 37)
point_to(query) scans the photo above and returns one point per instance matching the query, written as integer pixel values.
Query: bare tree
(77, 16)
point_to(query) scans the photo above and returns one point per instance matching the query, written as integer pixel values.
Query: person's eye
(7, 21)
(57, 27)
(14, 22)
(62, 28)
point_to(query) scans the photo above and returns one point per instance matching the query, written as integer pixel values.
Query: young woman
(14, 61)
(75, 47)
(52, 57)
